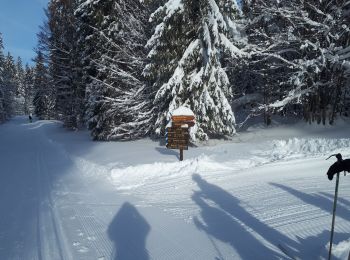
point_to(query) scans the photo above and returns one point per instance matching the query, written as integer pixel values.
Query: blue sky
(19, 23)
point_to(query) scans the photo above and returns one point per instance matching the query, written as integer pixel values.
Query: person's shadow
(323, 202)
(129, 231)
(220, 225)
(229, 222)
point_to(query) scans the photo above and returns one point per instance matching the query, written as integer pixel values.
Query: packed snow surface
(262, 195)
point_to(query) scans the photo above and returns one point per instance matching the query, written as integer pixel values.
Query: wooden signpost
(177, 136)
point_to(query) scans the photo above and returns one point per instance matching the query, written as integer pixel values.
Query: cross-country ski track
(63, 196)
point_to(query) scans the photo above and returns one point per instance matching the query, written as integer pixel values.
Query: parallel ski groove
(39, 200)
(286, 252)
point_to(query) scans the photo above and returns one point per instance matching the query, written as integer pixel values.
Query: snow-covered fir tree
(295, 57)
(188, 53)
(345, 59)
(64, 62)
(115, 90)
(19, 92)
(9, 85)
(273, 47)
(43, 98)
(28, 90)
(2, 64)
(87, 39)
(319, 78)
(90, 16)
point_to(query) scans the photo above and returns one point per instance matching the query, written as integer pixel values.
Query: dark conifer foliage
(188, 52)
(29, 90)
(12, 85)
(300, 56)
(9, 86)
(64, 62)
(115, 86)
(44, 101)
(3, 115)
(19, 88)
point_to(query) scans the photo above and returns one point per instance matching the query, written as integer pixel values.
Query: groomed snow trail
(53, 210)
(65, 197)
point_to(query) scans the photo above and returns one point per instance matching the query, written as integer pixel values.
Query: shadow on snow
(324, 203)
(223, 218)
(128, 230)
(315, 245)
(166, 151)
(230, 223)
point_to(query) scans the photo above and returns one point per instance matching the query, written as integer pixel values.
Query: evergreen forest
(120, 68)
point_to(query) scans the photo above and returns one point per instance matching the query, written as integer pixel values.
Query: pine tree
(296, 55)
(89, 15)
(273, 47)
(43, 99)
(64, 62)
(10, 82)
(2, 97)
(114, 83)
(345, 53)
(19, 77)
(189, 54)
(28, 90)
(320, 73)
(9, 86)
(19, 93)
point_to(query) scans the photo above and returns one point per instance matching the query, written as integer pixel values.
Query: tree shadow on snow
(129, 231)
(223, 218)
(331, 197)
(317, 200)
(167, 151)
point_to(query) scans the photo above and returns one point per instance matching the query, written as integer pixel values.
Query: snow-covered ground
(265, 192)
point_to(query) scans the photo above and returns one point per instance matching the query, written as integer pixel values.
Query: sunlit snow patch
(136, 176)
(294, 148)
(341, 250)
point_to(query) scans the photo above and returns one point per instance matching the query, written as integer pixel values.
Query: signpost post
(177, 135)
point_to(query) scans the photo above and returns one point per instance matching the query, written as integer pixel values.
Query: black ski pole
(333, 220)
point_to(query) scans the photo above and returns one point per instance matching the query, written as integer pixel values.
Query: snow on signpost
(177, 132)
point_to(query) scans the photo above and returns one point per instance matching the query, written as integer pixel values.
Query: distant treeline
(16, 86)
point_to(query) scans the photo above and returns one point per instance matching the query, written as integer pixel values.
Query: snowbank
(227, 157)
(307, 147)
(139, 175)
(341, 250)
